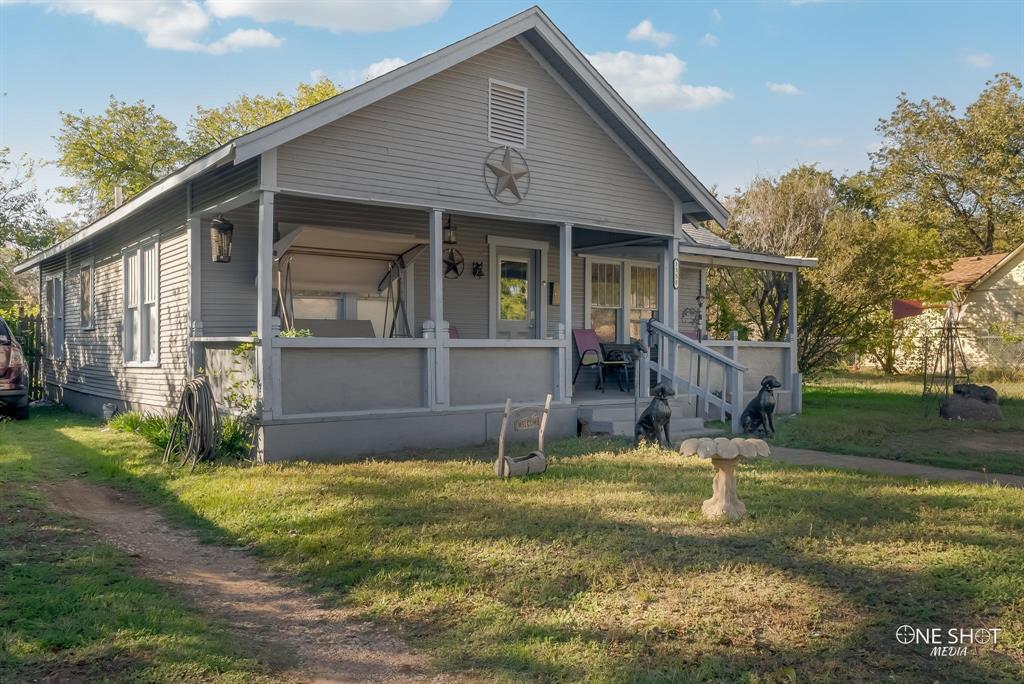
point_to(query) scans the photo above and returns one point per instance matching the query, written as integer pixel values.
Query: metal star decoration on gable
(509, 174)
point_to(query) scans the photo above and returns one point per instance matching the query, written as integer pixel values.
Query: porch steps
(618, 421)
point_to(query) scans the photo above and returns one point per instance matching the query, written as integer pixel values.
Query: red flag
(905, 308)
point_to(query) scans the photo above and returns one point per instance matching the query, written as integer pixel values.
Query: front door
(517, 293)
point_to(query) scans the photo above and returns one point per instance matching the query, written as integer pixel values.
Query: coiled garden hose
(196, 425)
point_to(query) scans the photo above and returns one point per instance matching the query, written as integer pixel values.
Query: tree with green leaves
(211, 127)
(864, 261)
(785, 215)
(25, 226)
(962, 175)
(129, 146)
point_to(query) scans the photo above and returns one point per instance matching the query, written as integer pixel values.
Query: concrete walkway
(809, 457)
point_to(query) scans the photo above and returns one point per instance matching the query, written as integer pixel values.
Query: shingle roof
(702, 237)
(966, 271)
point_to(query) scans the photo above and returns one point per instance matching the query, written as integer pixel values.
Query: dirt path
(301, 640)
(889, 467)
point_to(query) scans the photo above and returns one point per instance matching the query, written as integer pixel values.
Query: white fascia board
(182, 175)
(736, 256)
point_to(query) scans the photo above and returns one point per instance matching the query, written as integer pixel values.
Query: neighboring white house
(991, 289)
(442, 230)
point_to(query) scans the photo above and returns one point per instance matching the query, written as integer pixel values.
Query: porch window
(141, 306)
(54, 323)
(643, 299)
(605, 299)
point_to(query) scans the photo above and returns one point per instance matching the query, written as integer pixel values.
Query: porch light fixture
(448, 233)
(221, 231)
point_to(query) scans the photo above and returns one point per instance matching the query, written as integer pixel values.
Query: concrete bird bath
(725, 455)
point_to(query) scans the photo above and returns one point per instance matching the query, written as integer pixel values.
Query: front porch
(424, 321)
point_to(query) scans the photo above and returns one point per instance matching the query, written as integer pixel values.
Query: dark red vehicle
(13, 375)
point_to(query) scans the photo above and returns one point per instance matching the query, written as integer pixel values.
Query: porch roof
(732, 257)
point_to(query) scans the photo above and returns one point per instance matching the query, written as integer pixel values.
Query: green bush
(235, 440)
(155, 429)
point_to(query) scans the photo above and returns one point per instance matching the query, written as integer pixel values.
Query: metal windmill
(945, 363)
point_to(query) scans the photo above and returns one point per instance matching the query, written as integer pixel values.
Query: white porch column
(195, 268)
(439, 398)
(265, 301)
(670, 315)
(565, 307)
(795, 378)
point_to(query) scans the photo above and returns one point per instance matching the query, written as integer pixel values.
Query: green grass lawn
(599, 570)
(70, 607)
(886, 417)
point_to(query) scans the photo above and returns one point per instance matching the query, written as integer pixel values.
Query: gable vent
(506, 120)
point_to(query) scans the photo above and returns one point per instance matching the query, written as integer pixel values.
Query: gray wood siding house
(441, 230)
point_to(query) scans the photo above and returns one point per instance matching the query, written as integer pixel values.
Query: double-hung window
(54, 323)
(643, 299)
(87, 296)
(141, 265)
(605, 299)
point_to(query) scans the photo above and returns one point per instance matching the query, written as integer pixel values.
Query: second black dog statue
(653, 422)
(760, 412)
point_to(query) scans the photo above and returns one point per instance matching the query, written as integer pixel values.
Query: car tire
(20, 413)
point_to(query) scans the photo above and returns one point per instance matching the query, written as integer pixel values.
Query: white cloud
(241, 39)
(183, 25)
(382, 67)
(359, 16)
(819, 142)
(765, 139)
(168, 24)
(652, 81)
(709, 40)
(783, 88)
(982, 60)
(716, 16)
(645, 31)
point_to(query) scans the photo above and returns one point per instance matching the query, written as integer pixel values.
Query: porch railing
(319, 377)
(728, 399)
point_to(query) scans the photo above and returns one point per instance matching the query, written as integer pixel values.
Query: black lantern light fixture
(221, 231)
(448, 234)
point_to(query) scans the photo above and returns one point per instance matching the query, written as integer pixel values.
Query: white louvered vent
(506, 120)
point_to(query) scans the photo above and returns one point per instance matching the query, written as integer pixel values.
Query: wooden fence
(27, 330)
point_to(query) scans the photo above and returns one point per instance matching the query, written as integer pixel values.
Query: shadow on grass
(498, 577)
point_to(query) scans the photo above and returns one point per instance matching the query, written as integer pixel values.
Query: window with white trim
(506, 114)
(87, 296)
(54, 323)
(141, 265)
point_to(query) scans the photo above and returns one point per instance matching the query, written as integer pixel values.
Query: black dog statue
(653, 422)
(760, 412)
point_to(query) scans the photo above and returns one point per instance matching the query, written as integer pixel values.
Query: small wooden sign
(527, 420)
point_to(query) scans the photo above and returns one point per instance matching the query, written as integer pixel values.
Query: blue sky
(734, 88)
